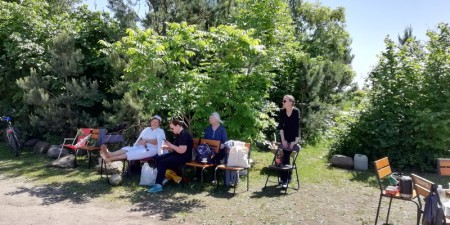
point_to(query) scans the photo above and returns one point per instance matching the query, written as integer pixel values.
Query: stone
(112, 168)
(41, 147)
(53, 151)
(31, 142)
(115, 179)
(342, 161)
(63, 162)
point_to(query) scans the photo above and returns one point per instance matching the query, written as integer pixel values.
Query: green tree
(191, 73)
(407, 115)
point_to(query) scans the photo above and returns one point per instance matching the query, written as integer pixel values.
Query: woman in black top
(289, 126)
(180, 153)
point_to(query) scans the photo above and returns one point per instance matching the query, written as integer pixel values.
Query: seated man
(148, 144)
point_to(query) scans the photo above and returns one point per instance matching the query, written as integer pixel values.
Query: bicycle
(12, 136)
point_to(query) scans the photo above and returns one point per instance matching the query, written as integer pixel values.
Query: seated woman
(180, 152)
(148, 144)
(216, 131)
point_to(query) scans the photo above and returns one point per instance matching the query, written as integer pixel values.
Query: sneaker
(155, 189)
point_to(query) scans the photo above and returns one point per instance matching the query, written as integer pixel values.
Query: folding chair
(235, 169)
(215, 145)
(87, 139)
(383, 170)
(286, 168)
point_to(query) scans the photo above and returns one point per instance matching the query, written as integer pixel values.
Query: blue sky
(369, 22)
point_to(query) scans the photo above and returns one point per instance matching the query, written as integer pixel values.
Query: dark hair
(179, 122)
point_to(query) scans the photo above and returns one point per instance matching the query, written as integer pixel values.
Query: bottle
(441, 193)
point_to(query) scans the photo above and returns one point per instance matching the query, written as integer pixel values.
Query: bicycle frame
(12, 136)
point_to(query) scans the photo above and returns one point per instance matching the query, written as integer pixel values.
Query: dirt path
(24, 203)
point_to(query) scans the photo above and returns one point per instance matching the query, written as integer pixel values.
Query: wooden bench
(214, 144)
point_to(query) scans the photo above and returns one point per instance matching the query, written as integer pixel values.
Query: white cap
(157, 117)
(217, 116)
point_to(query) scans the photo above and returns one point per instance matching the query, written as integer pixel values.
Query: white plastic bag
(238, 157)
(148, 175)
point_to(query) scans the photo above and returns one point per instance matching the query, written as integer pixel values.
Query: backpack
(433, 214)
(203, 151)
(238, 154)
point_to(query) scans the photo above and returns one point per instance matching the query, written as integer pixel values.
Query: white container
(360, 162)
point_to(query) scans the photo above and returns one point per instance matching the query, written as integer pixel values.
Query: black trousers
(168, 161)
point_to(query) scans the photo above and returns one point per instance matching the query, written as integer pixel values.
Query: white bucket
(360, 162)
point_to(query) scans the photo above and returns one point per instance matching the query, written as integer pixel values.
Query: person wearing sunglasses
(148, 144)
(289, 127)
(180, 152)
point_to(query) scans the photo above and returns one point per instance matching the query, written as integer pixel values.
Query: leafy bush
(407, 118)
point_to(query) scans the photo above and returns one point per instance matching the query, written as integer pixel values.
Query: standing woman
(289, 126)
(180, 152)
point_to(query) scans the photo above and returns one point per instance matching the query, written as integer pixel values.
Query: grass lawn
(327, 195)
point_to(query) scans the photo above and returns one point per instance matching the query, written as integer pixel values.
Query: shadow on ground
(75, 192)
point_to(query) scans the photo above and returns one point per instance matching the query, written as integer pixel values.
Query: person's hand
(153, 141)
(141, 142)
(166, 145)
(285, 144)
(291, 146)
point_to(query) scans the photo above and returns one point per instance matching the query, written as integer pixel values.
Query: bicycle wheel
(14, 144)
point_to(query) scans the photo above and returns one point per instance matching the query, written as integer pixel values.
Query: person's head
(177, 125)
(288, 101)
(214, 118)
(155, 121)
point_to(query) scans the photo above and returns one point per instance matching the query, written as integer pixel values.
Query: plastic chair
(214, 144)
(286, 168)
(383, 170)
(235, 169)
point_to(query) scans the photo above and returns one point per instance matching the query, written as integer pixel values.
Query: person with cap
(148, 144)
(216, 131)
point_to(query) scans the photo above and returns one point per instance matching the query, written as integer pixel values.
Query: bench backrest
(421, 185)
(214, 144)
(444, 166)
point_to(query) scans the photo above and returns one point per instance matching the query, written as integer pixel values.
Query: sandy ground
(23, 203)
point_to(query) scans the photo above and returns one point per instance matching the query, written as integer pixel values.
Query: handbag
(148, 175)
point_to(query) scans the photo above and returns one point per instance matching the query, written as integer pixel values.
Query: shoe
(155, 189)
(177, 179)
(165, 181)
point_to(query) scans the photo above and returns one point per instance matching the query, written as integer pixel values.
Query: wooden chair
(214, 144)
(289, 168)
(443, 166)
(235, 169)
(423, 188)
(383, 170)
(87, 139)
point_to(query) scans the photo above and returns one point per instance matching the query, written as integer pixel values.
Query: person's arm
(223, 138)
(297, 128)
(139, 140)
(179, 149)
(280, 127)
